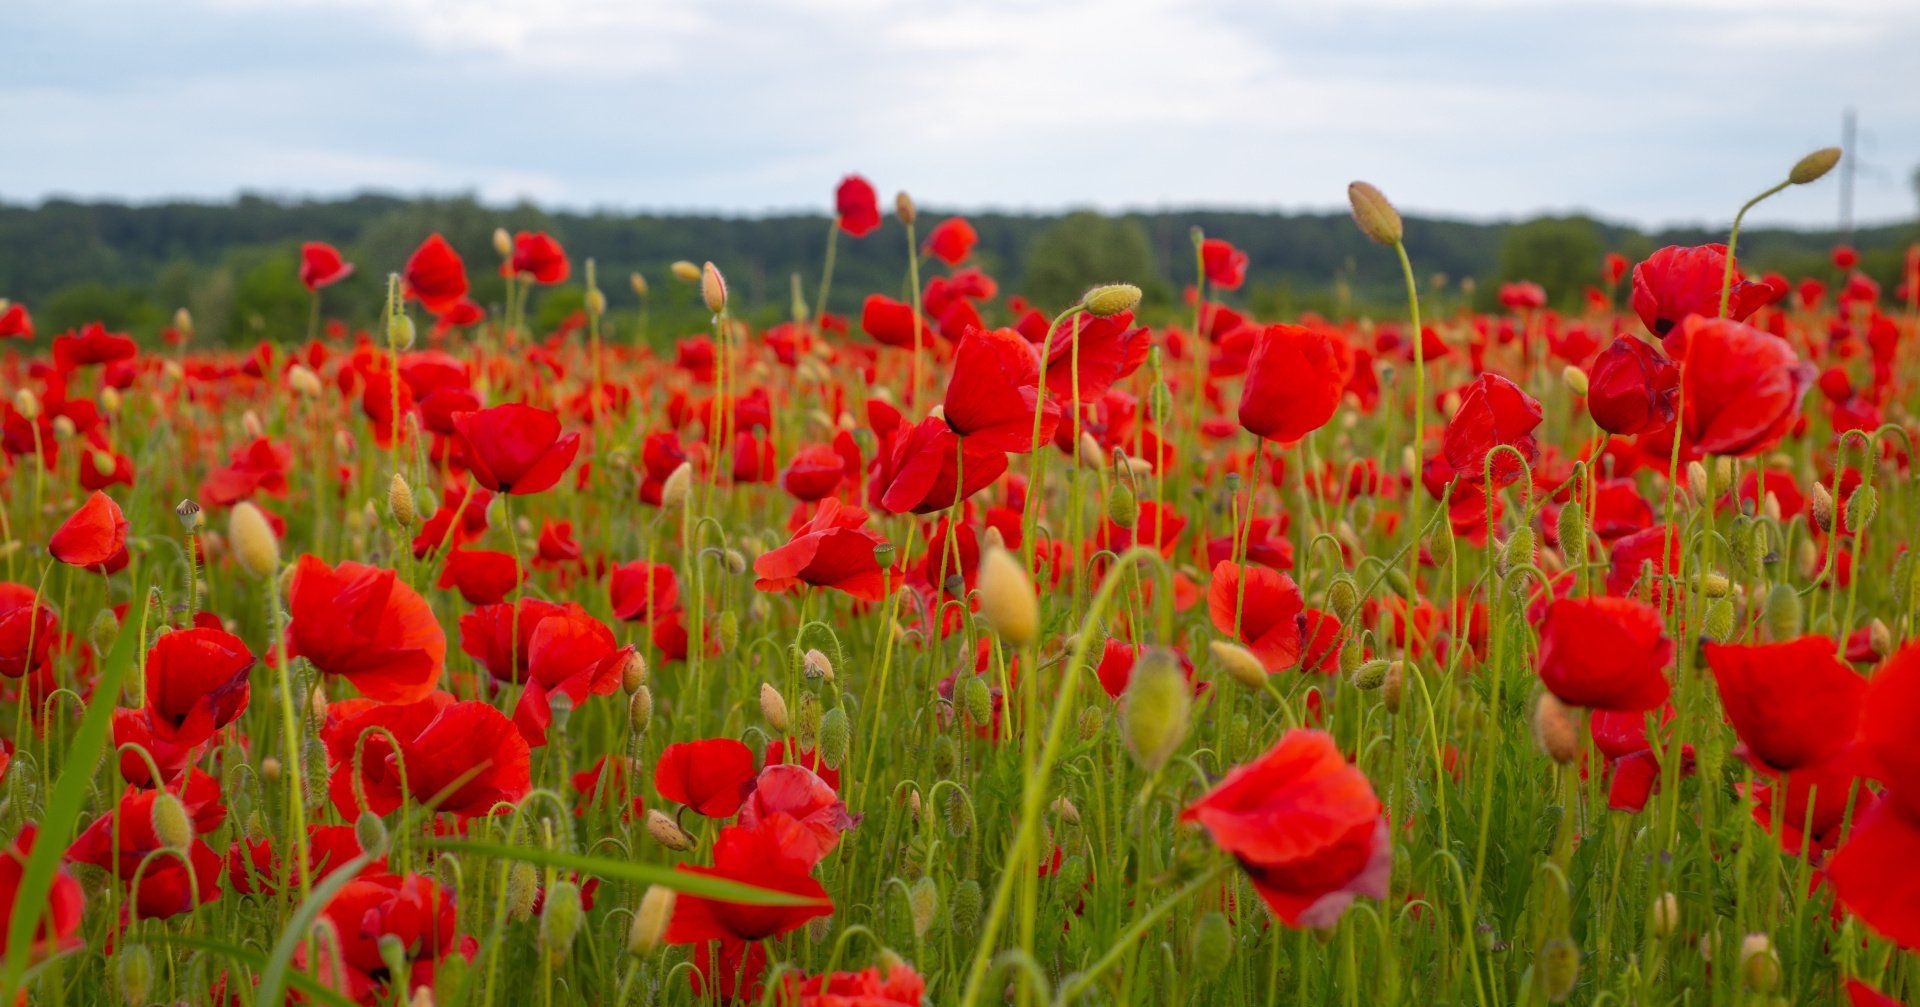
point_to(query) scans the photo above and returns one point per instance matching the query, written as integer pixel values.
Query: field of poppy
(959, 649)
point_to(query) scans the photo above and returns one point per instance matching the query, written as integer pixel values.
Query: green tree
(1561, 254)
(1083, 249)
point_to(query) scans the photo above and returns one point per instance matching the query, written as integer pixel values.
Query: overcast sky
(1652, 112)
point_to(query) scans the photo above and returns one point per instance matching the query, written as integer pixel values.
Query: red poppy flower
(196, 683)
(367, 626)
(1631, 387)
(712, 776)
(1676, 282)
(500, 637)
(516, 449)
(1225, 266)
(124, 838)
(482, 576)
(465, 757)
(93, 345)
(1874, 875)
(891, 322)
(1793, 704)
(1295, 380)
(993, 392)
(536, 254)
(640, 589)
(321, 266)
(832, 550)
(951, 240)
(414, 911)
(94, 534)
(1524, 295)
(1890, 711)
(59, 925)
(900, 987)
(16, 323)
(435, 276)
(1089, 355)
(1493, 412)
(756, 857)
(815, 471)
(930, 469)
(802, 806)
(1306, 827)
(571, 653)
(859, 209)
(1741, 388)
(1269, 609)
(1605, 653)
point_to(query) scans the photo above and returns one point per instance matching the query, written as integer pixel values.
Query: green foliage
(1082, 250)
(1562, 254)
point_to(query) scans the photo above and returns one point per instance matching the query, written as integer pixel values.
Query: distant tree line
(233, 264)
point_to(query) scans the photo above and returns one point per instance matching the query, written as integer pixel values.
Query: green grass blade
(697, 885)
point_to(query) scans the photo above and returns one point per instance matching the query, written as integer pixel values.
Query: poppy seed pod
(1811, 167)
(1111, 299)
(1241, 664)
(1555, 730)
(666, 831)
(190, 515)
(713, 288)
(1159, 706)
(773, 707)
(678, 484)
(1007, 598)
(254, 545)
(1377, 217)
(650, 920)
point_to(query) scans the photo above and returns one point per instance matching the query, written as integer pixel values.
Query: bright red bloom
(124, 838)
(756, 857)
(1675, 282)
(435, 276)
(1793, 704)
(1890, 711)
(712, 776)
(94, 534)
(1295, 380)
(367, 626)
(482, 576)
(858, 207)
(29, 629)
(1741, 388)
(536, 254)
(414, 910)
(1225, 266)
(321, 265)
(464, 757)
(59, 925)
(1270, 612)
(1605, 653)
(901, 987)
(815, 471)
(500, 637)
(891, 322)
(929, 467)
(832, 550)
(805, 810)
(92, 345)
(1306, 827)
(571, 653)
(951, 240)
(516, 449)
(1524, 295)
(15, 323)
(639, 589)
(992, 395)
(1631, 387)
(196, 683)
(1493, 412)
(1876, 873)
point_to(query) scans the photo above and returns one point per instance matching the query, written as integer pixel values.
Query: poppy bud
(27, 404)
(370, 832)
(1089, 450)
(502, 242)
(1718, 624)
(560, 920)
(1554, 729)
(903, 208)
(806, 720)
(423, 995)
(923, 901)
(685, 271)
(773, 707)
(134, 964)
(523, 884)
(1784, 616)
(1239, 663)
(673, 492)
(1820, 501)
(1392, 684)
(1879, 636)
(1666, 914)
(816, 665)
(959, 813)
(1697, 480)
(1160, 401)
(1759, 963)
(1575, 379)
(736, 563)
(1517, 552)
(1007, 598)
(945, 755)
(400, 501)
(638, 283)
(1159, 705)
(640, 709)
(979, 700)
(1572, 529)
(633, 672)
(1559, 968)
(190, 515)
(1377, 217)
(270, 769)
(1123, 509)
(1862, 504)
(964, 906)
(836, 737)
(650, 920)
(251, 537)
(1111, 299)
(1212, 943)
(1370, 675)
(170, 823)
(596, 302)
(666, 831)
(713, 287)
(1811, 167)
(1066, 810)
(400, 332)
(183, 321)
(303, 381)
(110, 400)
(1090, 722)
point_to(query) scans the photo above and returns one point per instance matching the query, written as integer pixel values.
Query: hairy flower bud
(666, 831)
(713, 288)
(678, 484)
(400, 501)
(170, 822)
(1555, 730)
(1007, 598)
(1111, 299)
(252, 539)
(836, 737)
(1784, 615)
(1811, 167)
(773, 707)
(1159, 706)
(1377, 217)
(1239, 663)
(650, 920)
(1574, 378)
(560, 918)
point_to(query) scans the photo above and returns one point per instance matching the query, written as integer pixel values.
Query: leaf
(274, 977)
(697, 885)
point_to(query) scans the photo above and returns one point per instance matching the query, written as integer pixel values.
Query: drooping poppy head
(1631, 387)
(321, 265)
(1676, 282)
(516, 449)
(435, 276)
(1793, 704)
(1741, 387)
(1296, 377)
(857, 206)
(1605, 653)
(94, 534)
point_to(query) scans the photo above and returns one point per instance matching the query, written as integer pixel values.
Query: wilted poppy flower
(1493, 413)
(1295, 380)
(94, 534)
(1676, 282)
(435, 276)
(464, 757)
(1631, 388)
(1305, 826)
(993, 392)
(536, 254)
(1269, 612)
(1605, 653)
(59, 925)
(711, 776)
(1224, 265)
(196, 683)
(833, 549)
(1793, 704)
(516, 449)
(951, 240)
(858, 207)
(321, 266)
(367, 626)
(1741, 388)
